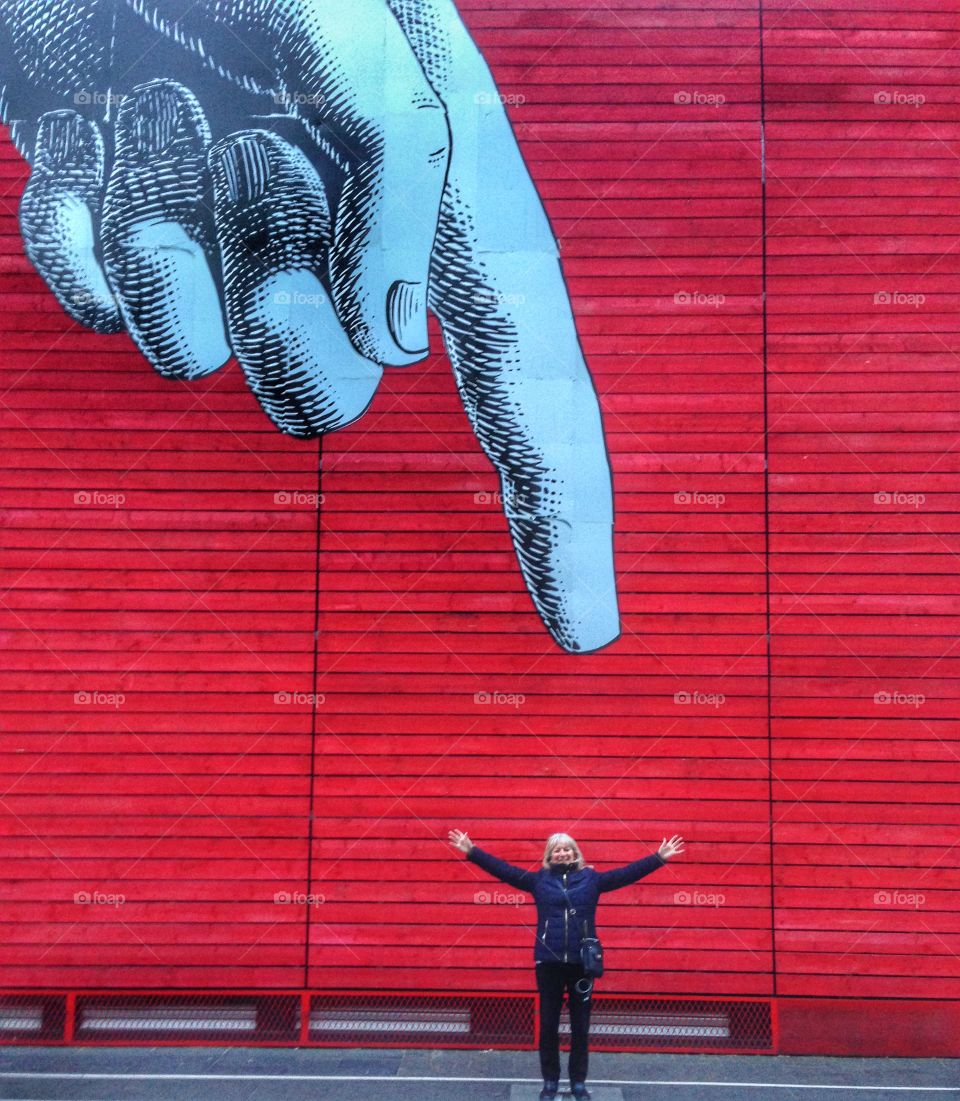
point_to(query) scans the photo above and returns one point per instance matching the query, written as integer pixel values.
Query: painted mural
(298, 185)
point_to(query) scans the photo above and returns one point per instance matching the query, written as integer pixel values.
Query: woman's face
(563, 854)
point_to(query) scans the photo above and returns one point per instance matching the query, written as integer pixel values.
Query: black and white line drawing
(297, 183)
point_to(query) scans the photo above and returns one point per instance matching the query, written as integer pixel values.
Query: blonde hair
(556, 839)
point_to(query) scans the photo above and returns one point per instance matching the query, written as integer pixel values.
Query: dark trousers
(553, 979)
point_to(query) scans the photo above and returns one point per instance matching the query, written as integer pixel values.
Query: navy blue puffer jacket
(566, 899)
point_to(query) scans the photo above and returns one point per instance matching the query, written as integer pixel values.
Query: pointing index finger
(498, 291)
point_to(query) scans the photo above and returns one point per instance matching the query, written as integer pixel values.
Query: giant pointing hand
(297, 182)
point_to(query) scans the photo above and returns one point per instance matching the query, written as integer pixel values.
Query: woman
(566, 892)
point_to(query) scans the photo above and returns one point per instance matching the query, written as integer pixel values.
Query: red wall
(759, 574)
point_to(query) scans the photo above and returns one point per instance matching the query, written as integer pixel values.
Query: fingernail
(246, 167)
(156, 116)
(66, 140)
(407, 316)
(268, 197)
(588, 618)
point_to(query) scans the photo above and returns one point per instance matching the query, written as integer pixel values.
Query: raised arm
(520, 878)
(630, 873)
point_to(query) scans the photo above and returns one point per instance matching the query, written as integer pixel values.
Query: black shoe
(549, 1091)
(579, 1091)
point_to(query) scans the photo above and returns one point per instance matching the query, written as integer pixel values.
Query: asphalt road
(372, 1074)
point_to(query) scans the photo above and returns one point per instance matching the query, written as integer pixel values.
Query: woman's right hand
(460, 841)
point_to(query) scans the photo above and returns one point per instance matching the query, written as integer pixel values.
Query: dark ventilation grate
(418, 1020)
(629, 1023)
(251, 1019)
(26, 1017)
(401, 1019)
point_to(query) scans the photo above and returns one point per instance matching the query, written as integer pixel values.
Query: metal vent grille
(179, 1019)
(720, 1025)
(25, 1017)
(392, 1019)
(421, 1020)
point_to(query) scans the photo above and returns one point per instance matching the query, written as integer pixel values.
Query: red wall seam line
(313, 723)
(766, 498)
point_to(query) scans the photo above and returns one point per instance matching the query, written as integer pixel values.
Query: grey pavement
(372, 1074)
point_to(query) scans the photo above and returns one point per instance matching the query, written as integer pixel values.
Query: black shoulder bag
(591, 950)
(591, 955)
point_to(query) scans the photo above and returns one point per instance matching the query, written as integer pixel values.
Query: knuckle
(418, 125)
(434, 128)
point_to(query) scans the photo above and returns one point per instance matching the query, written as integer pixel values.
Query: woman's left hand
(673, 847)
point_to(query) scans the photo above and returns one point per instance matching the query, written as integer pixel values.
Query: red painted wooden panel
(249, 756)
(863, 503)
